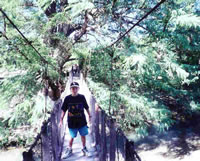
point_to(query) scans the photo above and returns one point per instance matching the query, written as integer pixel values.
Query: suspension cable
(26, 40)
(145, 16)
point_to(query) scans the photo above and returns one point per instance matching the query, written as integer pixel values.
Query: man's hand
(61, 120)
(60, 124)
(90, 117)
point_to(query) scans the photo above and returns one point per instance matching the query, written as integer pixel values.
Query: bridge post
(103, 137)
(60, 131)
(112, 140)
(46, 155)
(54, 133)
(28, 156)
(93, 113)
(131, 155)
(97, 134)
(58, 115)
(126, 149)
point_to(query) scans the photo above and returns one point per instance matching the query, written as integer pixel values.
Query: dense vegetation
(148, 79)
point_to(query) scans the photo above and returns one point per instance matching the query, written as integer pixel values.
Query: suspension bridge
(105, 142)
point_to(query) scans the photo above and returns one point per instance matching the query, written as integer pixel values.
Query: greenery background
(150, 79)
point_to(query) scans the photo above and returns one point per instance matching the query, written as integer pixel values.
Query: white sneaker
(67, 154)
(85, 152)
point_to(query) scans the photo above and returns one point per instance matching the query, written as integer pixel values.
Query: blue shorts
(83, 131)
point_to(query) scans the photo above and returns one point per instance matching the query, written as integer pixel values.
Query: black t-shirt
(75, 106)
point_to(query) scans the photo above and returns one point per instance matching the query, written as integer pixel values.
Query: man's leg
(73, 134)
(71, 142)
(83, 139)
(83, 132)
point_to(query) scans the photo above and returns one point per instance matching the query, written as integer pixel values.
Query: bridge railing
(111, 142)
(52, 136)
(49, 142)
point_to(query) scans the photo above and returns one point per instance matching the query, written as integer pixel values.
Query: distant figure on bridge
(75, 70)
(75, 104)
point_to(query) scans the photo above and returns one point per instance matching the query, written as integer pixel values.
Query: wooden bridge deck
(77, 145)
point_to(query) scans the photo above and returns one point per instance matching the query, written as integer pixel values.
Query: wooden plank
(45, 146)
(58, 111)
(58, 138)
(59, 130)
(28, 156)
(93, 112)
(97, 135)
(103, 137)
(124, 154)
(112, 140)
(55, 133)
(54, 137)
(131, 155)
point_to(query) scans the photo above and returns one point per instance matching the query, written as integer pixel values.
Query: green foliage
(155, 64)
(188, 21)
(195, 106)
(44, 4)
(101, 93)
(143, 112)
(20, 123)
(161, 63)
(78, 7)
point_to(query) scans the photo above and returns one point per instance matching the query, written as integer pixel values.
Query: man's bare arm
(61, 118)
(89, 114)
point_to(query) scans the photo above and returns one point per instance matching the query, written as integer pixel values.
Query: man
(75, 70)
(75, 104)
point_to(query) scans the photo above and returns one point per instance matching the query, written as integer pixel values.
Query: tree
(153, 67)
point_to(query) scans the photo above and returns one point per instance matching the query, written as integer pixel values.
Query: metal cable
(145, 16)
(26, 40)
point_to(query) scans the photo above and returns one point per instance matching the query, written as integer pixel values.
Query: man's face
(74, 90)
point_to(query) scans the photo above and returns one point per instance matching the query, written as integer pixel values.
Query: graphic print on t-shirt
(75, 109)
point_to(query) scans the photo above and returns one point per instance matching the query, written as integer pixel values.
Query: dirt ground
(178, 144)
(12, 154)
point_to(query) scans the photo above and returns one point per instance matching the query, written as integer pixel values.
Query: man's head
(74, 87)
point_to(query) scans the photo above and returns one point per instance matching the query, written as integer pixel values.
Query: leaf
(188, 20)
(78, 8)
